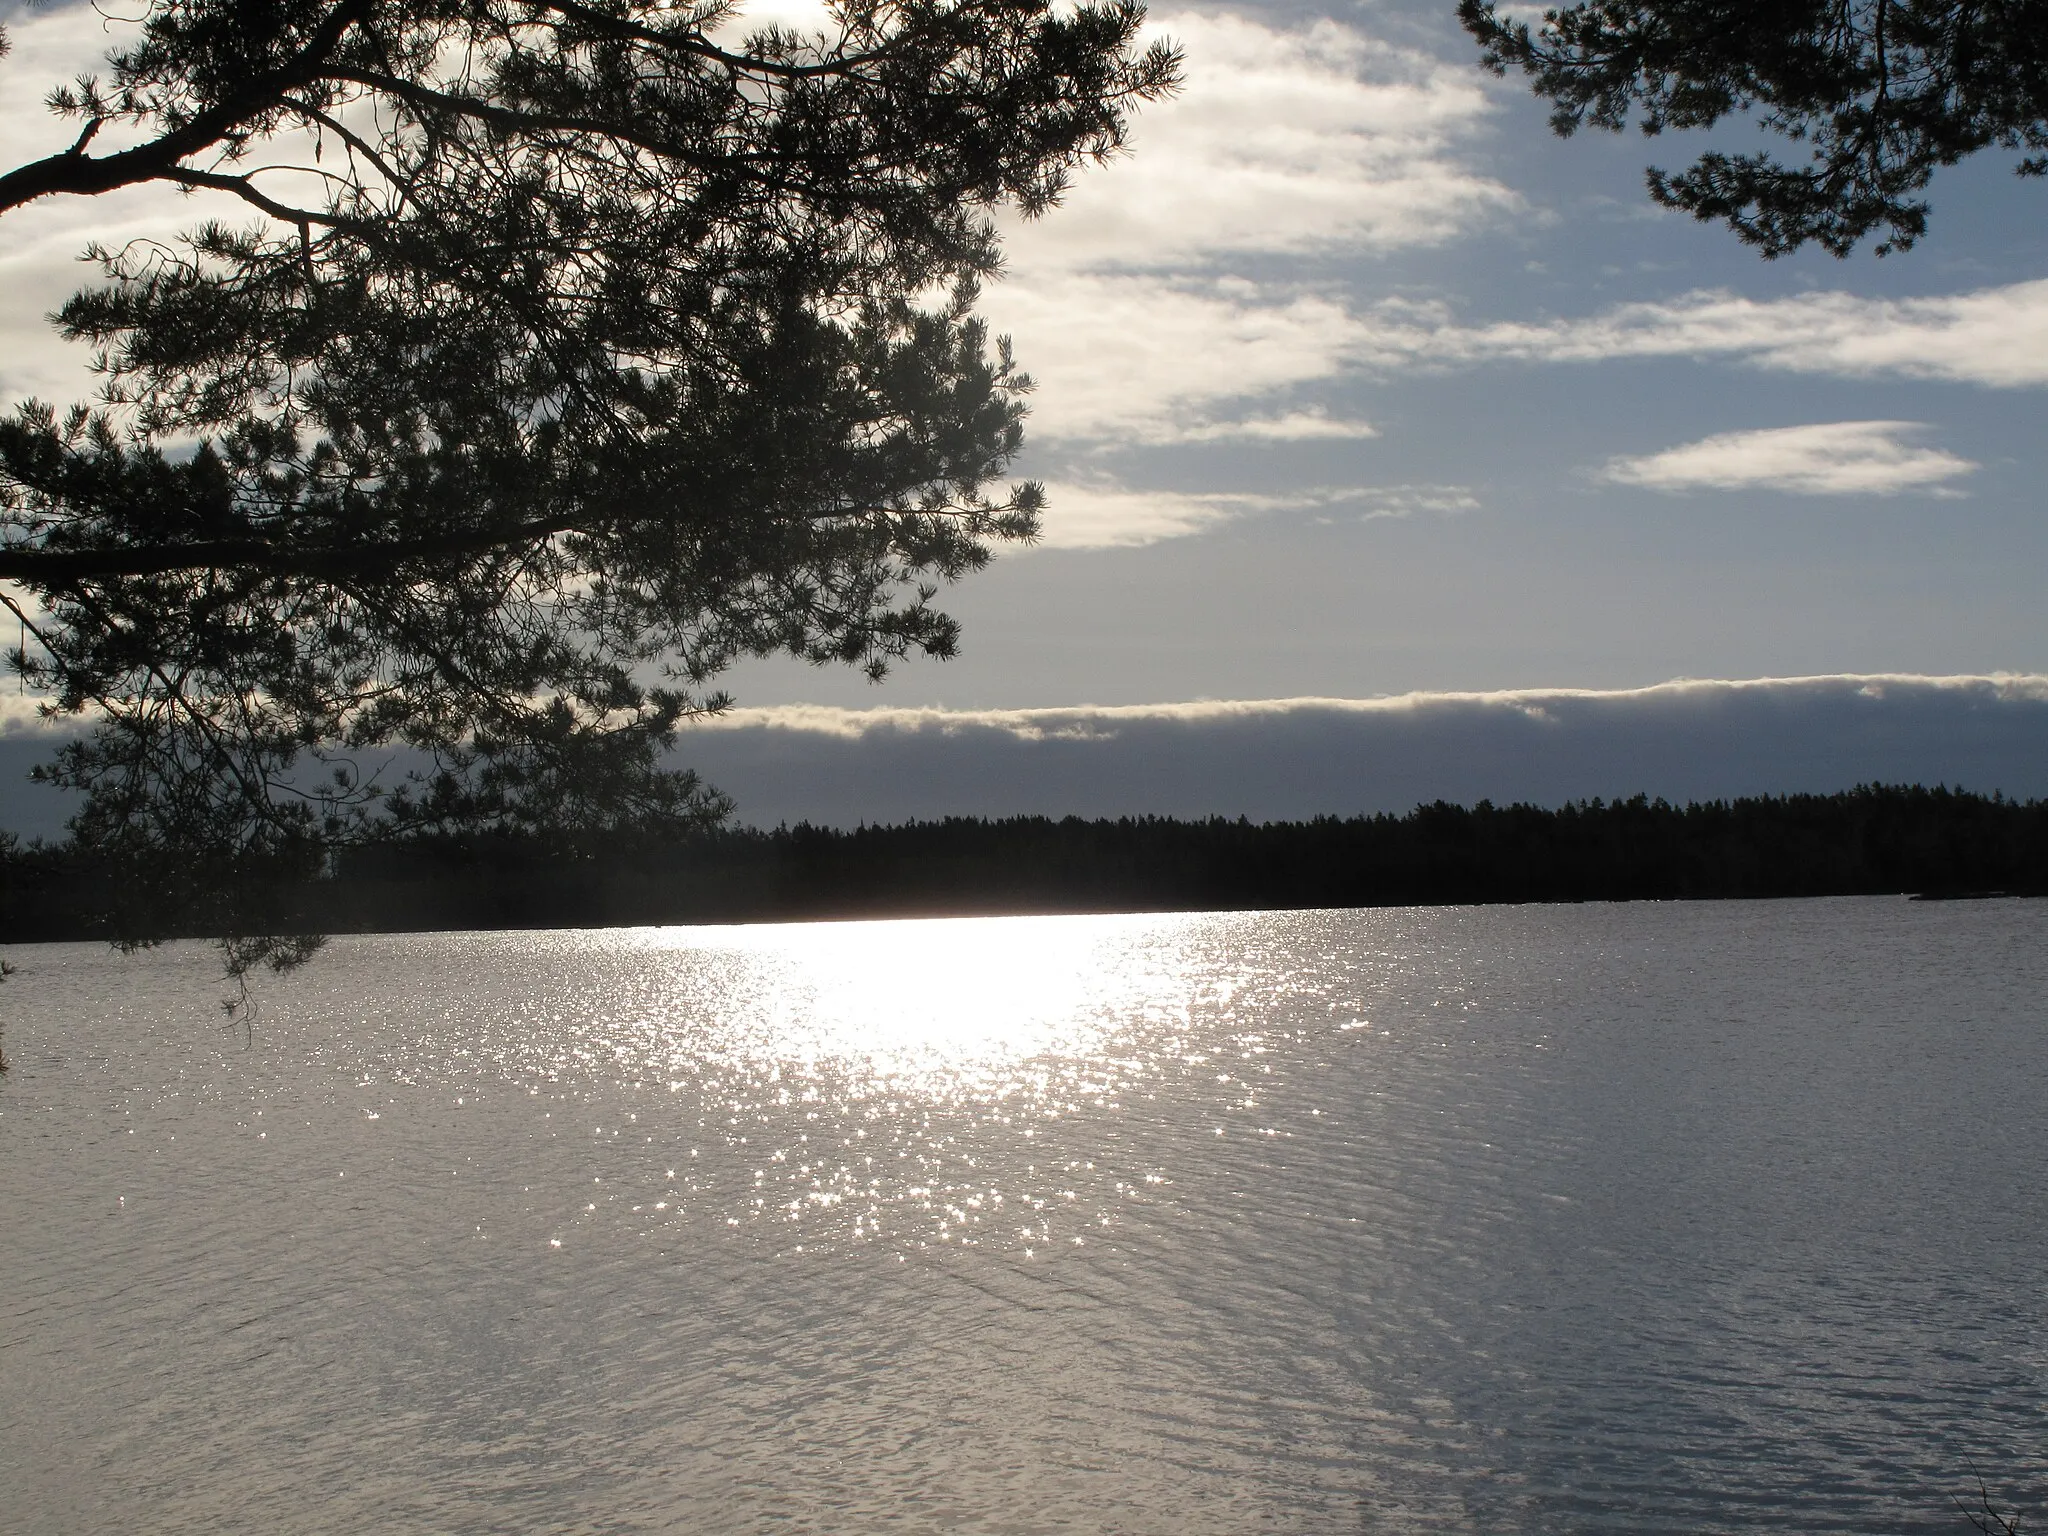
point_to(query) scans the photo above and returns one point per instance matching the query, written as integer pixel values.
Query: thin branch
(1986, 1516)
(74, 172)
(518, 120)
(355, 142)
(60, 567)
(174, 698)
(695, 45)
(242, 187)
(86, 135)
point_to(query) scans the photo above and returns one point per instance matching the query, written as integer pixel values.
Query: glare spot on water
(865, 1077)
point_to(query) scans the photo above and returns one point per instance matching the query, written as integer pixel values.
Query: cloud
(803, 16)
(1407, 500)
(1995, 337)
(1292, 427)
(1838, 458)
(1145, 360)
(21, 715)
(1082, 515)
(39, 243)
(1149, 310)
(1283, 140)
(1150, 359)
(1130, 305)
(1285, 758)
(1106, 721)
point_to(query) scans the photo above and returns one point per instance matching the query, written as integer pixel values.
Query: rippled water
(1647, 1218)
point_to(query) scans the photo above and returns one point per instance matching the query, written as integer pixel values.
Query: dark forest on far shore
(1866, 841)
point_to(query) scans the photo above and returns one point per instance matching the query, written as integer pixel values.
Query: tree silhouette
(1881, 92)
(567, 353)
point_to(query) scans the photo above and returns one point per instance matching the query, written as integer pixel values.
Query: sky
(1353, 382)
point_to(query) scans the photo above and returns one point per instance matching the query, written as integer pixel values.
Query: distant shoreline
(1873, 840)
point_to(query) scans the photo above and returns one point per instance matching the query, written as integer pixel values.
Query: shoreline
(1907, 841)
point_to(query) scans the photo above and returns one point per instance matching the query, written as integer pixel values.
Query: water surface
(1714, 1217)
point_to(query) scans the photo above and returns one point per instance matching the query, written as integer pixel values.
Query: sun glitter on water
(942, 1007)
(915, 1078)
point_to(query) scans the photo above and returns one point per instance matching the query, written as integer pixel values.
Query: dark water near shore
(1719, 1217)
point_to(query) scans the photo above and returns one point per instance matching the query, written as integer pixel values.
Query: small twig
(1986, 1516)
(86, 135)
(241, 955)
(241, 1006)
(6, 970)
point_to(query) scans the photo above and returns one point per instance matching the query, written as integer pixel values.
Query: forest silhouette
(1871, 840)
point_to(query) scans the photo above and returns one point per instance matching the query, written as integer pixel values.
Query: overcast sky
(1353, 381)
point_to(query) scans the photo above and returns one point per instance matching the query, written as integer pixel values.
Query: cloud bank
(1836, 458)
(1291, 758)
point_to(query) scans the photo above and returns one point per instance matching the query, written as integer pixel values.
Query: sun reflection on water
(940, 1008)
(945, 1011)
(1020, 1082)
(903, 1079)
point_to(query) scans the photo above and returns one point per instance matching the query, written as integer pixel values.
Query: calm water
(1643, 1218)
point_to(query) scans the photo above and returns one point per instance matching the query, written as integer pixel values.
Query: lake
(1664, 1217)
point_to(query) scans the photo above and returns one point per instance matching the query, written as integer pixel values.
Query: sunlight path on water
(855, 1081)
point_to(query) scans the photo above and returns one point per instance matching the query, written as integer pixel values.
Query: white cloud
(1996, 337)
(1292, 427)
(1144, 359)
(1407, 500)
(1111, 517)
(1147, 340)
(41, 241)
(21, 714)
(751, 16)
(1131, 359)
(39, 244)
(1282, 140)
(1837, 458)
(1108, 516)
(1148, 359)
(1128, 304)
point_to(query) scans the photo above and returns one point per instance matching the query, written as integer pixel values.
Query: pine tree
(562, 354)
(1881, 93)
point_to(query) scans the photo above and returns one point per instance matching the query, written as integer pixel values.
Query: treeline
(1866, 841)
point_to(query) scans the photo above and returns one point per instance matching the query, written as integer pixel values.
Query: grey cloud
(1297, 758)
